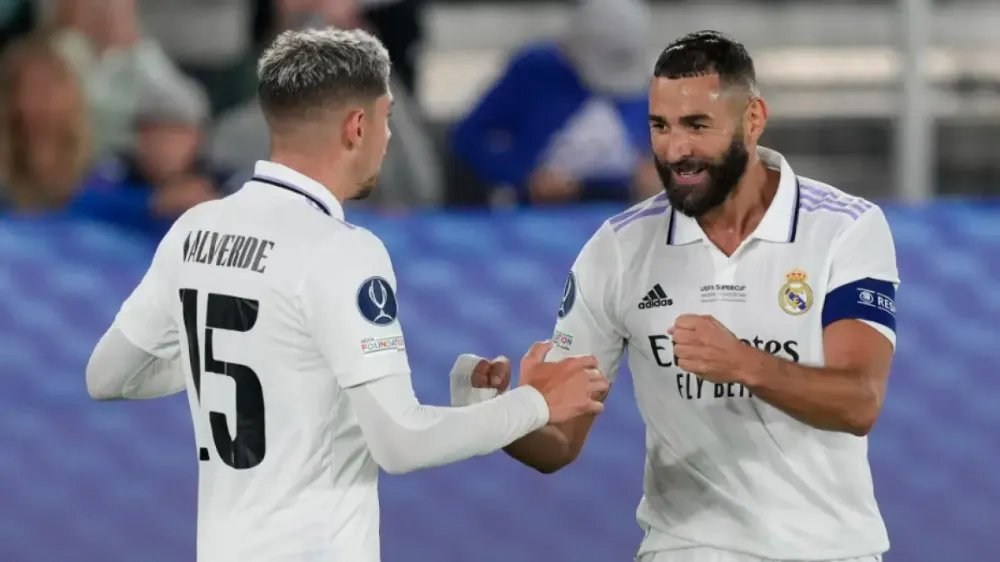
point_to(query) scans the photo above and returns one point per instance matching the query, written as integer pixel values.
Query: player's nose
(676, 148)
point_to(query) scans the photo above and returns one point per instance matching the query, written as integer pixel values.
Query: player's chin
(689, 200)
(365, 188)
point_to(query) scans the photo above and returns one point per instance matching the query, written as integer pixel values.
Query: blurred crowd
(132, 111)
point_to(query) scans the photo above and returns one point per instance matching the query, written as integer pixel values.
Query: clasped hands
(571, 387)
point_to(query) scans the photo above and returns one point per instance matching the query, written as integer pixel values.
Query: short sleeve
(864, 276)
(351, 311)
(587, 321)
(146, 318)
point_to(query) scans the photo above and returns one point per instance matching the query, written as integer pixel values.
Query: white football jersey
(276, 305)
(724, 469)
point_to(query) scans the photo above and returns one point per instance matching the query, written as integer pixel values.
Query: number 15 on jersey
(225, 312)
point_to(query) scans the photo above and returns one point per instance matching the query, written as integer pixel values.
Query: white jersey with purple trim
(724, 469)
(276, 306)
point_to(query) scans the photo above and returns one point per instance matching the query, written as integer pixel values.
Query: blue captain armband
(868, 299)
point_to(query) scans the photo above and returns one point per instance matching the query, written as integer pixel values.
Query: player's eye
(698, 126)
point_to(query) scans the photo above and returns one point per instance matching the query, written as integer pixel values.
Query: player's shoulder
(634, 227)
(339, 241)
(626, 235)
(823, 204)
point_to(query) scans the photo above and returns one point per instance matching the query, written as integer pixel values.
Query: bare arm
(552, 447)
(547, 449)
(845, 395)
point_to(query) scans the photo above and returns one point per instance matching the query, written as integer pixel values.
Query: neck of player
(740, 214)
(321, 167)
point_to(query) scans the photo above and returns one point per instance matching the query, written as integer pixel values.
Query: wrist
(754, 367)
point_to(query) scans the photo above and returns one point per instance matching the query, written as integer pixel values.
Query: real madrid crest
(795, 296)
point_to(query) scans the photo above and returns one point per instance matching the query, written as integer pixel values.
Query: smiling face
(705, 118)
(699, 142)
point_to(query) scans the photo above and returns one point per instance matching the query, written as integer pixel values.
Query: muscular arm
(588, 323)
(845, 395)
(547, 449)
(404, 435)
(859, 338)
(120, 370)
(552, 447)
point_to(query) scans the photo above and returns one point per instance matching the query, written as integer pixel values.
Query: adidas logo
(654, 298)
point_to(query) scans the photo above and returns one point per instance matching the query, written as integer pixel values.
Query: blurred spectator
(568, 120)
(275, 16)
(113, 61)
(17, 18)
(148, 188)
(210, 41)
(412, 174)
(397, 23)
(44, 136)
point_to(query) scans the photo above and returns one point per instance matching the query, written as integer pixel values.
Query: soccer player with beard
(757, 311)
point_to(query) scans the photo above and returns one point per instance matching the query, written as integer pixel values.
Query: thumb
(538, 350)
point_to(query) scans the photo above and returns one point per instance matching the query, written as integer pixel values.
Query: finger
(596, 375)
(582, 362)
(695, 366)
(684, 351)
(499, 373)
(594, 407)
(481, 374)
(536, 354)
(599, 387)
(687, 321)
(683, 336)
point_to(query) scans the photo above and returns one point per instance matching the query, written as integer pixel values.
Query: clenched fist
(705, 347)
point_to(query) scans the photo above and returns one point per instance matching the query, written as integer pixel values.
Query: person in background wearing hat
(165, 175)
(568, 120)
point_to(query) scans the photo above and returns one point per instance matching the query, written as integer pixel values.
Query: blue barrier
(89, 482)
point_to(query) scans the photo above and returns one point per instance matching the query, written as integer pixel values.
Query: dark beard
(723, 175)
(364, 190)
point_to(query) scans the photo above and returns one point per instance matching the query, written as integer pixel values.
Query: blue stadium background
(83, 482)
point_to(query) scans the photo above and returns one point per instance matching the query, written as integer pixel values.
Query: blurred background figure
(17, 17)
(113, 60)
(567, 120)
(45, 132)
(412, 174)
(116, 116)
(165, 174)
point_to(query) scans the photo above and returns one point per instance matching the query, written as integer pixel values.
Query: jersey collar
(288, 179)
(780, 222)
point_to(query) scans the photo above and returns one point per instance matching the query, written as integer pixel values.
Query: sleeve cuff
(537, 401)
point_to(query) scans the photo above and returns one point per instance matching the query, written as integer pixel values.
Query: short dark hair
(703, 53)
(314, 69)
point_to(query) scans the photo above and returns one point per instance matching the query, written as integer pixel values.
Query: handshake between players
(572, 387)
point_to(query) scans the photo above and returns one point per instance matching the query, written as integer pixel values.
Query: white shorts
(703, 554)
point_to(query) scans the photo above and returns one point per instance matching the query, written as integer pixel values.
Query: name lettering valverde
(691, 387)
(227, 250)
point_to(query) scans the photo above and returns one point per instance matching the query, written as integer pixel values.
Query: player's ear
(353, 127)
(755, 119)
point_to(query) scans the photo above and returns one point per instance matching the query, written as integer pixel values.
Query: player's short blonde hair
(314, 69)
